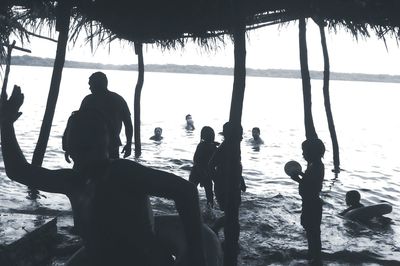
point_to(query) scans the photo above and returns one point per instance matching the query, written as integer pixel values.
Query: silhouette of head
(158, 131)
(352, 197)
(207, 134)
(189, 119)
(86, 137)
(313, 149)
(229, 132)
(98, 82)
(255, 132)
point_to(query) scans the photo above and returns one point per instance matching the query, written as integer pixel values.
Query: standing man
(115, 111)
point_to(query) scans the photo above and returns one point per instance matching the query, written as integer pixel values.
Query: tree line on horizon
(27, 60)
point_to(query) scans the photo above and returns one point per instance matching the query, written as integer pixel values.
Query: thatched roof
(173, 21)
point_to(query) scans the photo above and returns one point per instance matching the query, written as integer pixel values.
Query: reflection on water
(368, 139)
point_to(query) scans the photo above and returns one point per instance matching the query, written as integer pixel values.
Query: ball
(292, 167)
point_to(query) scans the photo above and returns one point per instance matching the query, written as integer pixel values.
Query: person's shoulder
(88, 98)
(212, 145)
(116, 163)
(116, 96)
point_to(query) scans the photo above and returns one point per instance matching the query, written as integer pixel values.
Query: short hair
(85, 129)
(99, 79)
(207, 134)
(256, 129)
(314, 148)
(157, 128)
(353, 196)
(186, 117)
(227, 130)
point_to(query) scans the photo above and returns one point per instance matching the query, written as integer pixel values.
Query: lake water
(368, 132)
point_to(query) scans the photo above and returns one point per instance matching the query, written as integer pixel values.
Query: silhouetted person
(310, 186)
(228, 179)
(200, 173)
(114, 109)
(157, 134)
(353, 198)
(109, 198)
(222, 167)
(256, 140)
(189, 122)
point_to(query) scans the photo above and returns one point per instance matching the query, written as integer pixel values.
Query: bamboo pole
(7, 72)
(234, 171)
(62, 26)
(138, 91)
(327, 101)
(305, 78)
(16, 47)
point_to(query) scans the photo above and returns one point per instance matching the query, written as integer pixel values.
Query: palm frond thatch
(171, 23)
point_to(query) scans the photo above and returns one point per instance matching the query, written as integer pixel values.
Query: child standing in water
(310, 186)
(200, 172)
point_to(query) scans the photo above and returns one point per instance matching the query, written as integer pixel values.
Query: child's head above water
(207, 134)
(158, 131)
(313, 149)
(353, 197)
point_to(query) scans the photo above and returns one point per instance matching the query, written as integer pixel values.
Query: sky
(273, 47)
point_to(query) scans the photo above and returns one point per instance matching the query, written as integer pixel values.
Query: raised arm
(162, 184)
(16, 166)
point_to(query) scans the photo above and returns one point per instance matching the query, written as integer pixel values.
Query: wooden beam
(63, 21)
(234, 169)
(16, 47)
(138, 91)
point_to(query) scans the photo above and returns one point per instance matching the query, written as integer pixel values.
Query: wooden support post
(62, 26)
(138, 91)
(327, 101)
(305, 77)
(232, 182)
(7, 72)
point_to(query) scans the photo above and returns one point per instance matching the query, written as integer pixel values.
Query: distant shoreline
(27, 60)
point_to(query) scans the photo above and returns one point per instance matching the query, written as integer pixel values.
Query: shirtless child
(310, 185)
(109, 198)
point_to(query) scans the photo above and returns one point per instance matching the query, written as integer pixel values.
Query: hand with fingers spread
(9, 110)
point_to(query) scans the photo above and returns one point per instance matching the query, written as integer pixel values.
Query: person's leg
(314, 244)
(208, 187)
(312, 222)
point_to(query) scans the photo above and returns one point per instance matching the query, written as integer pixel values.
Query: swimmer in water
(353, 198)
(256, 140)
(157, 134)
(189, 122)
